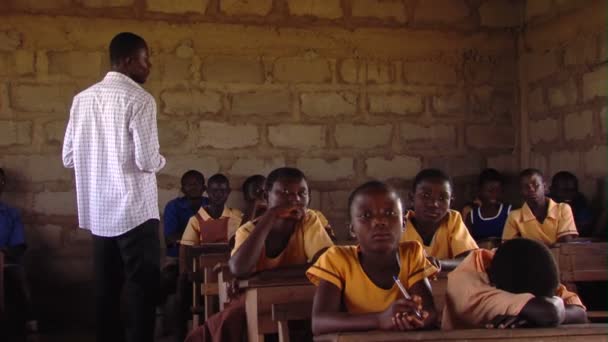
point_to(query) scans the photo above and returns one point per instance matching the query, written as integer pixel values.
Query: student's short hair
(218, 178)
(564, 176)
(524, 266)
(373, 185)
(251, 180)
(194, 174)
(529, 173)
(124, 45)
(490, 175)
(283, 173)
(431, 174)
(2, 172)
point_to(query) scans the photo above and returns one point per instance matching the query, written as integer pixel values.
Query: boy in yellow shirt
(540, 218)
(214, 223)
(518, 285)
(432, 223)
(362, 277)
(288, 234)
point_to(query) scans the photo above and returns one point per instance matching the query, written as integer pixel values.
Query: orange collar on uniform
(552, 211)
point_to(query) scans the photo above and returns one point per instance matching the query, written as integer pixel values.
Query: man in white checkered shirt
(112, 143)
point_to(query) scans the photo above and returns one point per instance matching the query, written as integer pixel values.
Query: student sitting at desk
(540, 218)
(214, 223)
(253, 194)
(288, 234)
(518, 285)
(175, 218)
(564, 189)
(439, 229)
(363, 277)
(487, 220)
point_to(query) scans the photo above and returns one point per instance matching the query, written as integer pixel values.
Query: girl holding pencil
(380, 284)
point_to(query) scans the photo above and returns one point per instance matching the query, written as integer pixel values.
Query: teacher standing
(111, 141)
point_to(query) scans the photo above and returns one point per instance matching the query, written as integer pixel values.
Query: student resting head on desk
(288, 234)
(356, 288)
(439, 229)
(518, 285)
(540, 218)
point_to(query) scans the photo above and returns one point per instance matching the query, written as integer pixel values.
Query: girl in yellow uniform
(362, 277)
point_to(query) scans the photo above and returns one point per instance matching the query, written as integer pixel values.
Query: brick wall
(347, 90)
(565, 54)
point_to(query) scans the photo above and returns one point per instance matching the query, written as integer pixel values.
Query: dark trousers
(132, 259)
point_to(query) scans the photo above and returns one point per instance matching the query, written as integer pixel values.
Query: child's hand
(401, 315)
(506, 322)
(288, 211)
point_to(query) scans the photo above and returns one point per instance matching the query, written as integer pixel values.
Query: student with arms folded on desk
(288, 234)
(516, 286)
(362, 277)
(540, 218)
(433, 224)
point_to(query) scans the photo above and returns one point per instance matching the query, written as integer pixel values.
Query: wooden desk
(261, 293)
(565, 333)
(205, 282)
(582, 261)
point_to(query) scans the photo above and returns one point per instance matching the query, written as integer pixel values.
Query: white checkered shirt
(112, 143)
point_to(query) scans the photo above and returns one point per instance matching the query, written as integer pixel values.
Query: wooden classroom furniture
(582, 261)
(204, 280)
(262, 292)
(285, 312)
(564, 333)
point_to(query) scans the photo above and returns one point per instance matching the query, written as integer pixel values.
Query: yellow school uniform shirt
(451, 239)
(308, 238)
(192, 233)
(340, 266)
(522, 223)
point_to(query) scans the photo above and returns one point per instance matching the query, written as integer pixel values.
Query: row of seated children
(356, 286)
(19, 317)
(565, 208)
(194, 219)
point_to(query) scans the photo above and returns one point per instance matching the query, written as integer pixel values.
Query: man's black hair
(490, 175)
(373, 185)
(195, 174)
(432, 175)
(564, 176)
(524, 266)
(252, 180)
(218, 178)
(123, 45)
(529, 173)
(283, 173)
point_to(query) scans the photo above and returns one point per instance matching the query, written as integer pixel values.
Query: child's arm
(448, 265)
(327, 316)
(544, 311)
(243, 261)
(566, 239)
(575, 314)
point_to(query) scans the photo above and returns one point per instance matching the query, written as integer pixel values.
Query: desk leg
(251, 308)
(283, 331)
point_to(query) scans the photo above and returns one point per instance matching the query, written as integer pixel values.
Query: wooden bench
(204, 280)
(565, 333)
(262, 292)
